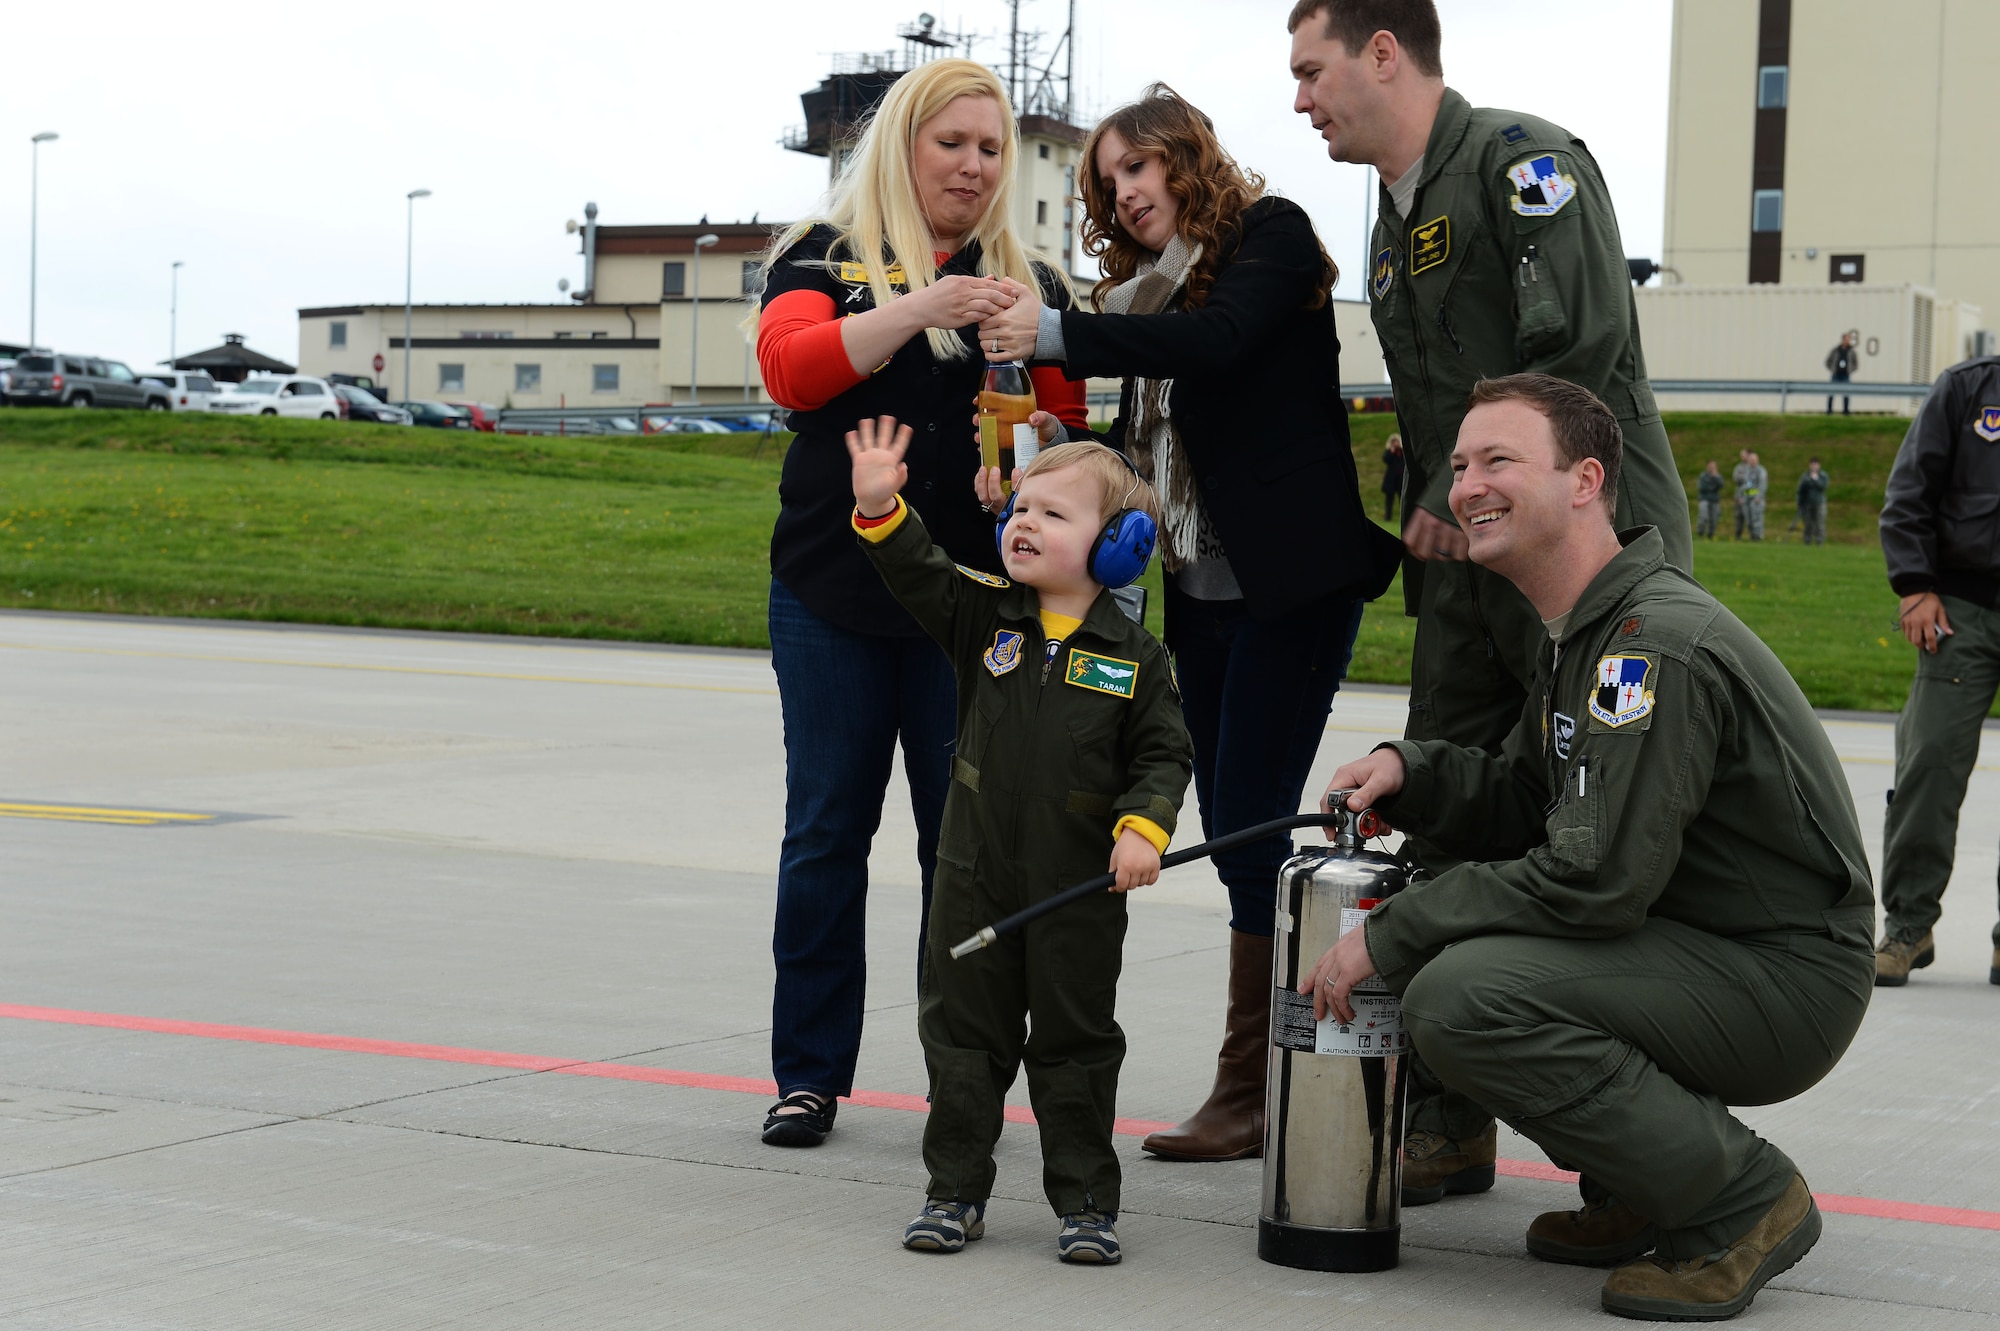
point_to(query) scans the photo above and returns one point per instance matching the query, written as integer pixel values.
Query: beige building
(1816, 143)
(631, 344)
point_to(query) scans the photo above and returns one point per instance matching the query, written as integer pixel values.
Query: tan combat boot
(1602, 1233)
(1434, 1164)
(1721, 1284)
(1230, 1123)
(1895, 960)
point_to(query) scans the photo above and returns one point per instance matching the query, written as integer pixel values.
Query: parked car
(279, 395)
(363, 405)
(684, 425)
(64, 380)
(187, 390)
(484, 414)
(438, 415)
(362, 382)
(6, 378)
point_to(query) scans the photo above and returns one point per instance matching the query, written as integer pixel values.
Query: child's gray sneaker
(945, 1226)
(1089, 1236)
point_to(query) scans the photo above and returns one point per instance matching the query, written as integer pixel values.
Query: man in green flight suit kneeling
(1664, 907)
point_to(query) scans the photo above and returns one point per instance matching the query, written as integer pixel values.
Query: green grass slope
(664, 538)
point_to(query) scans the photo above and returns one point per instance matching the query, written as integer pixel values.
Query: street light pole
(174, 319)
(694, 321)
(34, 220)
(409, 268)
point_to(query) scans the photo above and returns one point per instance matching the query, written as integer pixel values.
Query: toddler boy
(1069, 737)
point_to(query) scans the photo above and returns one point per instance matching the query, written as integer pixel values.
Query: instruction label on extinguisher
(1377, 1028)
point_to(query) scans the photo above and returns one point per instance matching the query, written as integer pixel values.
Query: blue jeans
(846, 698)
(1255, 695)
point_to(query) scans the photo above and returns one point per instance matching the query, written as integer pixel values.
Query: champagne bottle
(1006, 439)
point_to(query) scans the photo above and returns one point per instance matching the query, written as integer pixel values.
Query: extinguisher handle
(1020, 919)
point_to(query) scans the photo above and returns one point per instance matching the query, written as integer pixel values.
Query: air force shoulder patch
(1987, 427)
(1624, 691)
(982, 577)
(1004, 654)
(1540, 188)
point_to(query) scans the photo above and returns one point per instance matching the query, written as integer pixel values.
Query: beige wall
(1888, 144)
(1046, 180)
(639, 278)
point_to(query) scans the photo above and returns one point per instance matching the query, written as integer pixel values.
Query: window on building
(336, 335)
(750, 276)
(1042, 151)
(1041, 212)
(1773, 87)
(563, 335)
(527, 378)
(485, 335)
(673, 280)
(451, 378)
(599, 336)
(1847, 268)
(1767, 210)
(604, 378)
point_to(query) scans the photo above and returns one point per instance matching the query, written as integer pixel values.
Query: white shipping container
(1905, 335)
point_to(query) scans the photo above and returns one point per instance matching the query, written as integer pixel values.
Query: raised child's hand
(877, 448)
(1135, 862)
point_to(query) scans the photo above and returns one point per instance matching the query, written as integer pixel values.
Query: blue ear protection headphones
(1122, 550)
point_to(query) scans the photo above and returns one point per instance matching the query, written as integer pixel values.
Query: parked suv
(189, 390)
(439, 415)
(279, 395)
(64, 380)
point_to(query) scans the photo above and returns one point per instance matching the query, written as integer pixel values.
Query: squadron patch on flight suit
(1430, 244)
(1540, 188)
(858, 272)
(1004, 654)
(982, 577)
(1565, 732)
(1385, 272)
(1987, 427)
(1622, 696)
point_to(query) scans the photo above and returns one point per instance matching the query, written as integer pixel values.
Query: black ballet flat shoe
(807, 1127)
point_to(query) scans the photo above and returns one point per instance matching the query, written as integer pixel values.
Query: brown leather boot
(1603, 1233)
(1720, 1284)
(1230, 1123)
(1434, 1165)
(1896, 958)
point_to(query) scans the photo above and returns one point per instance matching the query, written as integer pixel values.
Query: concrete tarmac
(454, 1015)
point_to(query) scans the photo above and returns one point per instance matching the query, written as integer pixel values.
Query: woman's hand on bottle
(986, 485)
(959, 300)
(877, 448)
(1010, 332)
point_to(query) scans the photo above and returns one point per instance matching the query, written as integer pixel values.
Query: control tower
(1051, 139)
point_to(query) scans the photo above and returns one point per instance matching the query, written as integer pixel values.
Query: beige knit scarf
(1150, 438)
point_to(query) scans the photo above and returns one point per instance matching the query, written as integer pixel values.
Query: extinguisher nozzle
(974, 943)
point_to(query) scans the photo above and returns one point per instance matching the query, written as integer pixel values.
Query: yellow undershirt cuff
(1146, 828)
(881, 531)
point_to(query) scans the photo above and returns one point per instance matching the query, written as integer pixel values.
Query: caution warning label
(1292, 1024)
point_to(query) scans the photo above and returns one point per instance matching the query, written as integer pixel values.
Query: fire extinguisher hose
(1021, 918)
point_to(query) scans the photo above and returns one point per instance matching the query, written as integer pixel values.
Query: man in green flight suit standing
(1669, 913)
(1497, 252)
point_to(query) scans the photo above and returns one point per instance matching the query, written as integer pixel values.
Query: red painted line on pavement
(1956, 1217)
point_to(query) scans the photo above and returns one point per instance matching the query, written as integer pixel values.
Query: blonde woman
(872, 310)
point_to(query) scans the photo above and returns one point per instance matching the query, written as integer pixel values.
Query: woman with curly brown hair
(1215, 311)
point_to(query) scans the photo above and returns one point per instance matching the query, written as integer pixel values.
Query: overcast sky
(271, 149)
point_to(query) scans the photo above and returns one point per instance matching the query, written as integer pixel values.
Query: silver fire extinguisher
(1333, 1118)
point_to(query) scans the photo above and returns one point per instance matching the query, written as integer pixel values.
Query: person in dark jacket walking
(1054, 769)
(1708, 490)
(868, 311)
(1392, 476)
(1665, 905)
(1841, 363)
(1812, 503)
(1941, 536)
(1216, 313)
